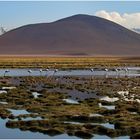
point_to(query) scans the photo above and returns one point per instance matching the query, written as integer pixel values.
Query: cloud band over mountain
(131, 20)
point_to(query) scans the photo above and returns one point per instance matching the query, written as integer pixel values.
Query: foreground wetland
(71, 106)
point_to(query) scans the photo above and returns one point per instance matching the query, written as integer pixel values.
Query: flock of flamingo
(117, 70)
(41, 70)
(92, 70)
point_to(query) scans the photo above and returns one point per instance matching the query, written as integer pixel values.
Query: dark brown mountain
(75, 35)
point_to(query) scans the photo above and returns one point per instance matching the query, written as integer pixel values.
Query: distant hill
(75, 35)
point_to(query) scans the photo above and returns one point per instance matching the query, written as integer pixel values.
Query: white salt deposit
(131, 98)
(3, 91)
(95, 115)
(35, 94)
(108, 99)
(109, 107)
(123, 93)
(8, 88)
(71, 101)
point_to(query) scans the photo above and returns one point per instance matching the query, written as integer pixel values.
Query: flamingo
(117, 71)
(92, 70)
(106, 70)
(46, 71)
(106, 73)
(6, 71)
(55, 71)
(29, 71)
(126, 70)
(40, 71)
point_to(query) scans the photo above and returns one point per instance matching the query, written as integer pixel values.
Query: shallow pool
(8, 133)
(18, 112)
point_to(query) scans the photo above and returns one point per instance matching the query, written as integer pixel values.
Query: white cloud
(131, 20)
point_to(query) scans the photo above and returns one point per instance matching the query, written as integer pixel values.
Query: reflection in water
(106, 137)
(29, 118)
(8, 133)
(107, 125)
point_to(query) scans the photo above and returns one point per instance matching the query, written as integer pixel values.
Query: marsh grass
(66, 62)
(54, 111)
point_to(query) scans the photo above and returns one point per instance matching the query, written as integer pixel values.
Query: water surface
(8, 133)
(132, 71)
(18, 112)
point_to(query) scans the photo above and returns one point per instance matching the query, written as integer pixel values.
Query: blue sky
(15, 14)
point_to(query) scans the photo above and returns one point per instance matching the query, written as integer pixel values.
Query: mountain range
(75, 35)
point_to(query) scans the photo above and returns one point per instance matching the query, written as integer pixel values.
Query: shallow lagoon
(133, 71)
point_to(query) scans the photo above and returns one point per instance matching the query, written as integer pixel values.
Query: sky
(18, 13)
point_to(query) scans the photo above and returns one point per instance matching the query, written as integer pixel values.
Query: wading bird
(40, 71)
(92, 70)
(55, 71)
(117, 71)
(106, 73)
(106, 70)
(29, 71)
(126, 71)
(6, 71)
(46, 71)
